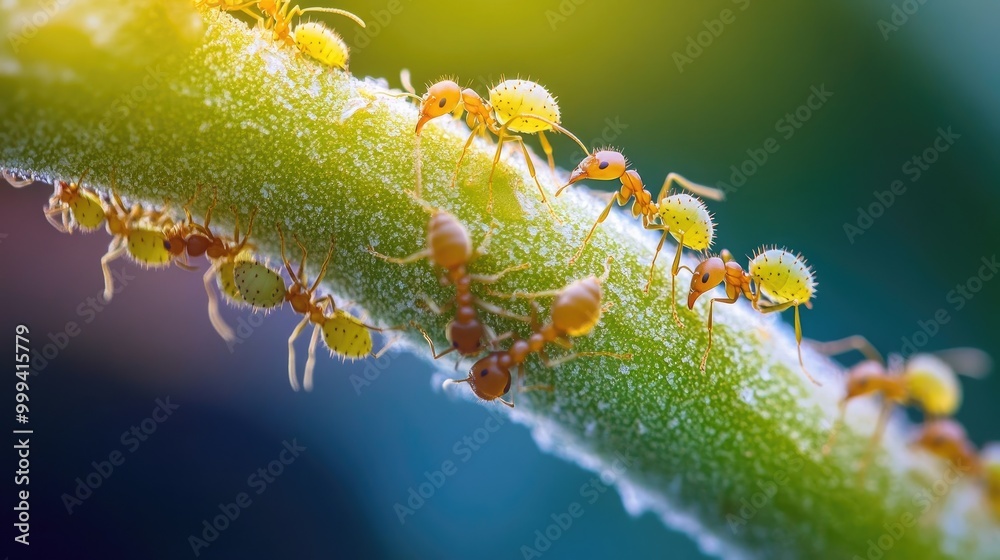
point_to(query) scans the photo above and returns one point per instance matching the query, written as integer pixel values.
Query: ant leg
(322, 269)
(531, 171)
(292, 377)
(115, 250)
(214, 316)
(468, 142)
(600, 219)
(489, 307)
(307, 380)
(798, 333)
(856, 342)
(288, 266)
(711, 308)
(547, 148)
(674, 269)
(659, 247)
(837, 425)
(493, 278)
(430, 342)
(883, 419)
(550, 363)
(700, 190)
(50, 214)
(419, 255)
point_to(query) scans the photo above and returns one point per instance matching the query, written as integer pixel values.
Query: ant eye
(603, 165)
(443, 102)
(483, 373)
(455, 344)
(166, 244)
(704, 278)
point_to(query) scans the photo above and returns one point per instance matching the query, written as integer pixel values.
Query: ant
(946, 438)
(192, 240)
(449, 247)
(514, 107)
(75, 207)
(926, 380)
(343, 334)
(575, 311)
(784, 278)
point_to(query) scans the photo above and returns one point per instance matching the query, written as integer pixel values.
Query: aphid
(449, 247)
(926, 380)
(575, 311)
(280, 13)
(192, 239)
(343, 333)
(787, 281)
(15, 182)
(514, 107)
(73, 206)
(139, 233)
(989, 458)
(947, 439)
(322, 43)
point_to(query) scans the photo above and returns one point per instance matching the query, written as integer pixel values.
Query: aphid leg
(674, 269)
(659, 247)
(430, 342)
(503, 137)
(419, 255)
(214, 316)
(700, 190)
(484, 245)
(856, 342)
(883, 419)
(116, 249)
(307, 380)
(798, 333)
(493, 278)
(547, 148)
(15, 182)
(292, 377)
(837, 425)
(322, 269)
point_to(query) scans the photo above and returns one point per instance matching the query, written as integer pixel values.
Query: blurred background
(849, 97)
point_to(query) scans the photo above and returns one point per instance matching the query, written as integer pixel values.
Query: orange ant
(514, 107)
(783, 277)
(75, 206)
(192, 240)
(926, 380)
(946, 438)
(449, 247)
(575, 311)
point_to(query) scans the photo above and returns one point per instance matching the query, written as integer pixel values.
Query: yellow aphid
(321, 43)
(258, 284)
(225, 277)
(88, 210)
(345, 335)
(73, 206)
(787, 281)
(931, 382)
(513, 98)
(148, 246)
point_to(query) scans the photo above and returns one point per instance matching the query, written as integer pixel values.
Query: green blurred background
(614, 69)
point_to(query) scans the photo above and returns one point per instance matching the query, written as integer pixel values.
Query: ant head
(466, 336)
(440, 99)
(708, 274)
(864, 378)
(489, 378)
(604, 165)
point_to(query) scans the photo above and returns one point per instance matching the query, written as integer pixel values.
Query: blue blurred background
(626, 73)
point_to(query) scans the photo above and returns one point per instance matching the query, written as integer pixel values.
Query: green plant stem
(170, 99)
